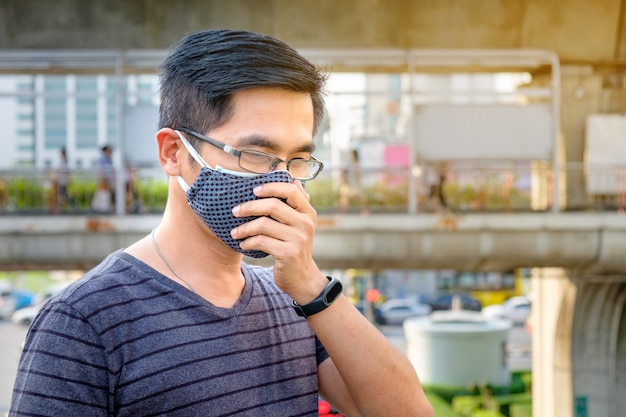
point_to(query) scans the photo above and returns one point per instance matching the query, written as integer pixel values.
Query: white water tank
(458, 347)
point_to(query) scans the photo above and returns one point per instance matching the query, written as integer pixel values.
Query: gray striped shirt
(125, 340)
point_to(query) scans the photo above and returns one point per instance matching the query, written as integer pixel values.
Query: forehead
(279, 116)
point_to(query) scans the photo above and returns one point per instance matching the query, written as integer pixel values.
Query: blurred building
(44, 113)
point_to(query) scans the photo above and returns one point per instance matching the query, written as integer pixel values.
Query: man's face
(273, 121)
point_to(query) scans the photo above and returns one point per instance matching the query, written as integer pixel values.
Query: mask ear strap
(192, 151)
(182, 183)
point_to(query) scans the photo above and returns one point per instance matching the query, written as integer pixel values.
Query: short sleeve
(63, 369)
(320, 352)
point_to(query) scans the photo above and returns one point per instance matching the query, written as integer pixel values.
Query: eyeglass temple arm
(226, 148)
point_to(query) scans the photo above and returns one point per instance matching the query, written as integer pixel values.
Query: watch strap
(323, 301)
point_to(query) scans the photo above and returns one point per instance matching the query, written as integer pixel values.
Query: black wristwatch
(325, 299)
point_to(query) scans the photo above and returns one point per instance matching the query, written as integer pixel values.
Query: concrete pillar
(553, 302)
(599, 345)
(579, 343)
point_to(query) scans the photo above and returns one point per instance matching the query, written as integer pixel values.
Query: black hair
(205, 69)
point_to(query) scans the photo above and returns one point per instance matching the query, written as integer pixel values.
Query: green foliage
(152, 194)
(521, 410)
(486, 197)
(526, 379)
(34, 281)
(388, 193)
(495, 401)
(486, 413)
(35, 195)
(26, 193)
(387, 197)
(440, 406)
(448, 392)
(81, 193)
(465, 405)
(324, 194)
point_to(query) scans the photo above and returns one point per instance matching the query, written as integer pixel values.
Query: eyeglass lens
(261, 163)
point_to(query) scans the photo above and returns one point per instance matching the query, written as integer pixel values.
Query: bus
(487, 287)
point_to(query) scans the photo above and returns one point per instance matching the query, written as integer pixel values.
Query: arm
(365, 375)
(378, 377)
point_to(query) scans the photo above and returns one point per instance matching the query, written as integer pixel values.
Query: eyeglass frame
(237, 153)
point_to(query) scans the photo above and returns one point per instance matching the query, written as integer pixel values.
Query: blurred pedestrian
(436, 175)
(63, 179)
(350, 187)
(104, 196)
(133, 204)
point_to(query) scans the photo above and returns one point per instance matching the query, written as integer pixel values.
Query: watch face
(333, 292)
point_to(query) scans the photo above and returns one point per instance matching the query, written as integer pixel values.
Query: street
(518, 349)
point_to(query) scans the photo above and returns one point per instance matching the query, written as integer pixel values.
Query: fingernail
(236, 210)
(233, 232)
(257, 189)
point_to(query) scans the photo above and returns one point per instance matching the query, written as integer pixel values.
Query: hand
(285, 230)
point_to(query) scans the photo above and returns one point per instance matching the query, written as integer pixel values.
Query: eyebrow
(267, 143)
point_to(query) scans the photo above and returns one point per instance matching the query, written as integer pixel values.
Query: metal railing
(32, 191)
(471, 187)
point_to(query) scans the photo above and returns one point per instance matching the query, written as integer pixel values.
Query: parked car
(395, 311)
(26, 315)
(443, 301)
(23, 298)
(515, 309)
(7, 301)
(363, 305)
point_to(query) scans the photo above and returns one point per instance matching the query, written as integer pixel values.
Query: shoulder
(117, 270)
(110, 290)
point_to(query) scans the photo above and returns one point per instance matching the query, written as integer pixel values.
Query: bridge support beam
(553, 294)
(599, 345)
(579, 343)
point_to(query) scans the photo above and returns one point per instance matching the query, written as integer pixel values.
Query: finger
(277, 209)
(300, 185)
(292, 193)
(300, 231)
(288, 244)
(271, 207)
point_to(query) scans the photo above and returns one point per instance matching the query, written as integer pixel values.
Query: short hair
(204, 70)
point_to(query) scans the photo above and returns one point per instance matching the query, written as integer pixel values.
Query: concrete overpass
(471, 242)
(580, 32)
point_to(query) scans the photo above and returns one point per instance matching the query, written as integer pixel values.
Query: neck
(198, 256)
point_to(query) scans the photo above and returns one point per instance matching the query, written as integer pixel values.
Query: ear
(170, 151)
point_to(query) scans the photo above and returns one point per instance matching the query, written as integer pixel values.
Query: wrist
(324, 299)
(308, 292)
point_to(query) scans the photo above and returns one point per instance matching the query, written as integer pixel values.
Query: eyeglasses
(261, 163)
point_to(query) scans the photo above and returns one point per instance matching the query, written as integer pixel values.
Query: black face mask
(213, 195)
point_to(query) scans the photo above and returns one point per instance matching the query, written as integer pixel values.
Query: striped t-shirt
(125, 340)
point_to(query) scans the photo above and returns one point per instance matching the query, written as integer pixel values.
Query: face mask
(215, 192)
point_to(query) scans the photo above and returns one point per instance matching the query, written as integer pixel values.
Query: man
(63, 179)
(104, 196)
(177, 324)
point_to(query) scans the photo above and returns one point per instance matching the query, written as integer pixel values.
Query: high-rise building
(41, 114)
